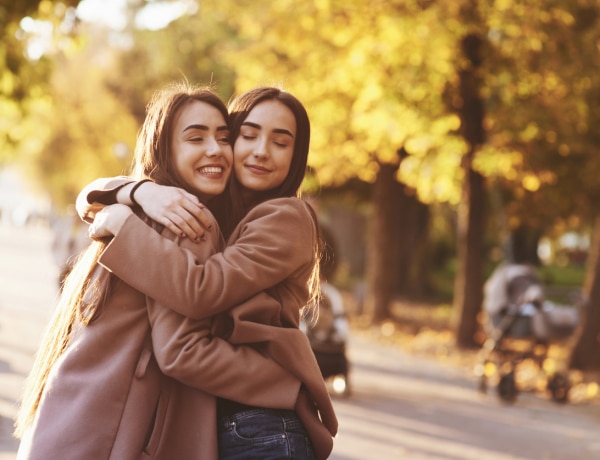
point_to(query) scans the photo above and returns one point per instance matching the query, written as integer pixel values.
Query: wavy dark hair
(88, 285)
(239, 109)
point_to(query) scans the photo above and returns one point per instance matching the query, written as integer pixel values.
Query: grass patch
(569, 275)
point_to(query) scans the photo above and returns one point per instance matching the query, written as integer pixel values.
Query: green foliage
(568, 275)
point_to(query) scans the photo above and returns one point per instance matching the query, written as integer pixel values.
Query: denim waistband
(287, 417)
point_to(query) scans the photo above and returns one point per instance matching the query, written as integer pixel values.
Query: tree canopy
(381, 80)
(23, 71)
(375, 76)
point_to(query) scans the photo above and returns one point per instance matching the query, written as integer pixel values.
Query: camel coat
(106, 397)
(271, 250)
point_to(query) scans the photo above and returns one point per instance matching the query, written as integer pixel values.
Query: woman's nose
(260, 149)
(214, 149)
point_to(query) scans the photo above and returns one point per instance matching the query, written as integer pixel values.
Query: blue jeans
(264, 434)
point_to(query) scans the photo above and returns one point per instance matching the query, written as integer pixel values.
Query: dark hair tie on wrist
(134, 188)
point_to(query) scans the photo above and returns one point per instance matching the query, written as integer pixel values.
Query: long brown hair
(89, 285)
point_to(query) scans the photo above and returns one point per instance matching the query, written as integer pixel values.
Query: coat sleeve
(274, 241)
(186, 350)
(97, 194)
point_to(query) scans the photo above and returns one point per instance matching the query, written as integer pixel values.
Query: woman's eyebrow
(205, 128)
(283, 131)
(252, 125)
(276, 130)
(202, 127)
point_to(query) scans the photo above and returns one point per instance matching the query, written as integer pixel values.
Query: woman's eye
(248, 137)
(196, 139)
(224, 140)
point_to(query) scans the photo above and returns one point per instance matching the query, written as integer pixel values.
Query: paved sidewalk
(27, 295)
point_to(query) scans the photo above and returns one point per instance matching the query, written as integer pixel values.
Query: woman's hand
(109, 221)
(179, 211)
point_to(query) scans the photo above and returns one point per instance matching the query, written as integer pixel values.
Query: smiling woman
(193, 132)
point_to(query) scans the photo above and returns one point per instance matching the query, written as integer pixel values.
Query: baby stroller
(328, 336)
(516, 312)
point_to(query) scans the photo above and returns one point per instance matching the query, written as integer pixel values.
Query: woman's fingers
(187, 226)
(109, 221)
(202, 216)
(176, 209)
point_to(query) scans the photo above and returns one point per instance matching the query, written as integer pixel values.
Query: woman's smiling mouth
(257, 169)
(211, 170)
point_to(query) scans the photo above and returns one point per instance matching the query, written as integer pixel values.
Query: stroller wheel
(507, 387)
(559, 387)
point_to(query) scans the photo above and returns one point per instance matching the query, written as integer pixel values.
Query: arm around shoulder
(97, 194)
(158, 264)
(274, 241)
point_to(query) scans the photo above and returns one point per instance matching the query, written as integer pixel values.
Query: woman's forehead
(199, 112)
(272, 114)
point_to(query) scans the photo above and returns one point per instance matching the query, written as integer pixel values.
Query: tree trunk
(420, 261)
(524, 242)
(468, 286)
(412, 225)
(586, 353)
(381, 266)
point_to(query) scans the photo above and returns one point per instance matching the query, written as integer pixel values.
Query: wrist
(134, 188)
(122, 195)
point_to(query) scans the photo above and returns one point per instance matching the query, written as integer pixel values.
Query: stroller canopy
(512, 284)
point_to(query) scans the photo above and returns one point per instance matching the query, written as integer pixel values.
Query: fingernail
(182, 235)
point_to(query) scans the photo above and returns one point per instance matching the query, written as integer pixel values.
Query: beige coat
(271, 250)
(106, 397)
